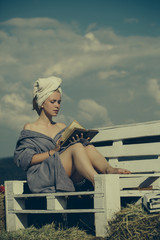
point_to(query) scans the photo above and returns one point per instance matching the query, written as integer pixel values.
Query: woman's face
(52, 104)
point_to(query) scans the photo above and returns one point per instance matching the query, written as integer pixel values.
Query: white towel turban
(44, 87)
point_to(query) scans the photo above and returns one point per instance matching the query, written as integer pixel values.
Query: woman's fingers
(81, 135)
(59, 142)
(76, 138)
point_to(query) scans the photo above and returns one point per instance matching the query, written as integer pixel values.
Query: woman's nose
(57, 104)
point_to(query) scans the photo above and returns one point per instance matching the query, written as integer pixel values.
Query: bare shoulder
(28, 126)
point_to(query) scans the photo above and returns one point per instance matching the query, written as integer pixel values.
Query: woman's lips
(56, 110)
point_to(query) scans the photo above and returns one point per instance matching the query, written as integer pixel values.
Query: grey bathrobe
(48, 176)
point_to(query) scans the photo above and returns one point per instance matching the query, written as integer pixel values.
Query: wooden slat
(62, 194)
(138, 165)
(128, 131)
(139, 175)
(55, 211)
(148, 149)
(136, 193)
(139, 180)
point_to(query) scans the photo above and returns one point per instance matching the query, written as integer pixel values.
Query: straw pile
(134, 223)
(2, 212)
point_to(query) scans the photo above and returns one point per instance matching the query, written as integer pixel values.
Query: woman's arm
(40, 157)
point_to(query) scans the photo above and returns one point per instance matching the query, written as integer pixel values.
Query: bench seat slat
(66, 194)
(136, 193)
(54, 211)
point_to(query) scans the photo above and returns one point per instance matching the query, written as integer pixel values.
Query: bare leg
(97, 160)
(100, 163)
(75, 159)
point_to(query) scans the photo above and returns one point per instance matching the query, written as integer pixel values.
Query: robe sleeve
(25, 149)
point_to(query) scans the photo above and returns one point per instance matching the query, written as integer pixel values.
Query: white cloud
(114, 73)
(31, 22)
(93, 44)
(90, 112)
(67, 119)
(126, 96)
(15, 111)
(55, 69)
(87, 112)
(43, 46)
(72, 67)
(7, 59)
(154, 89)
(13, 101)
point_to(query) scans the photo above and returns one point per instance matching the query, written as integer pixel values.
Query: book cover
(76, 129)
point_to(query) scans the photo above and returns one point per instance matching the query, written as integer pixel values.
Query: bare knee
(90, 148)
(76, 147)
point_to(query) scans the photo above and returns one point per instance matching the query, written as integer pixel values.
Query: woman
(49, 167)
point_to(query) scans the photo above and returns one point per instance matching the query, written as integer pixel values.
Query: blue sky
(106, 52)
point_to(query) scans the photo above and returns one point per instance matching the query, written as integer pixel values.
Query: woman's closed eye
(53, 101)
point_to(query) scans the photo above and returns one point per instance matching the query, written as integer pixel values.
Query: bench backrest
(134, 146)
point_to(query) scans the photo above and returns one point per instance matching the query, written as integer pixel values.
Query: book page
(72, 126)
(75, 124)
(76, 129)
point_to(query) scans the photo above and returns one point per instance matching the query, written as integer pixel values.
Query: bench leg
(108, 201)
(14, 221)
(56, 203)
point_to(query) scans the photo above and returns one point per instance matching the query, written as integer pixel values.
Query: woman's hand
(38, 158)
(57, 147)
(77, 138)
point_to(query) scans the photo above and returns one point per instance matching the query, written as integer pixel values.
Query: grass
(47, 232)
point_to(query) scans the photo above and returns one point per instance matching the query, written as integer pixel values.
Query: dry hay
(134, 223)
(47, 232)
(2, 212)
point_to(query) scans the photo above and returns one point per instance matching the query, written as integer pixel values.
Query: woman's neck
(46, 120)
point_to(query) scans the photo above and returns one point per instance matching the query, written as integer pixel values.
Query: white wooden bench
(134, 146)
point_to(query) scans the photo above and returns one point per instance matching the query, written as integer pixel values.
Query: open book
(75, 128)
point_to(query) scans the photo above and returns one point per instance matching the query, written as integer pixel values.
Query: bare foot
(122, 171)
(112, 170)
